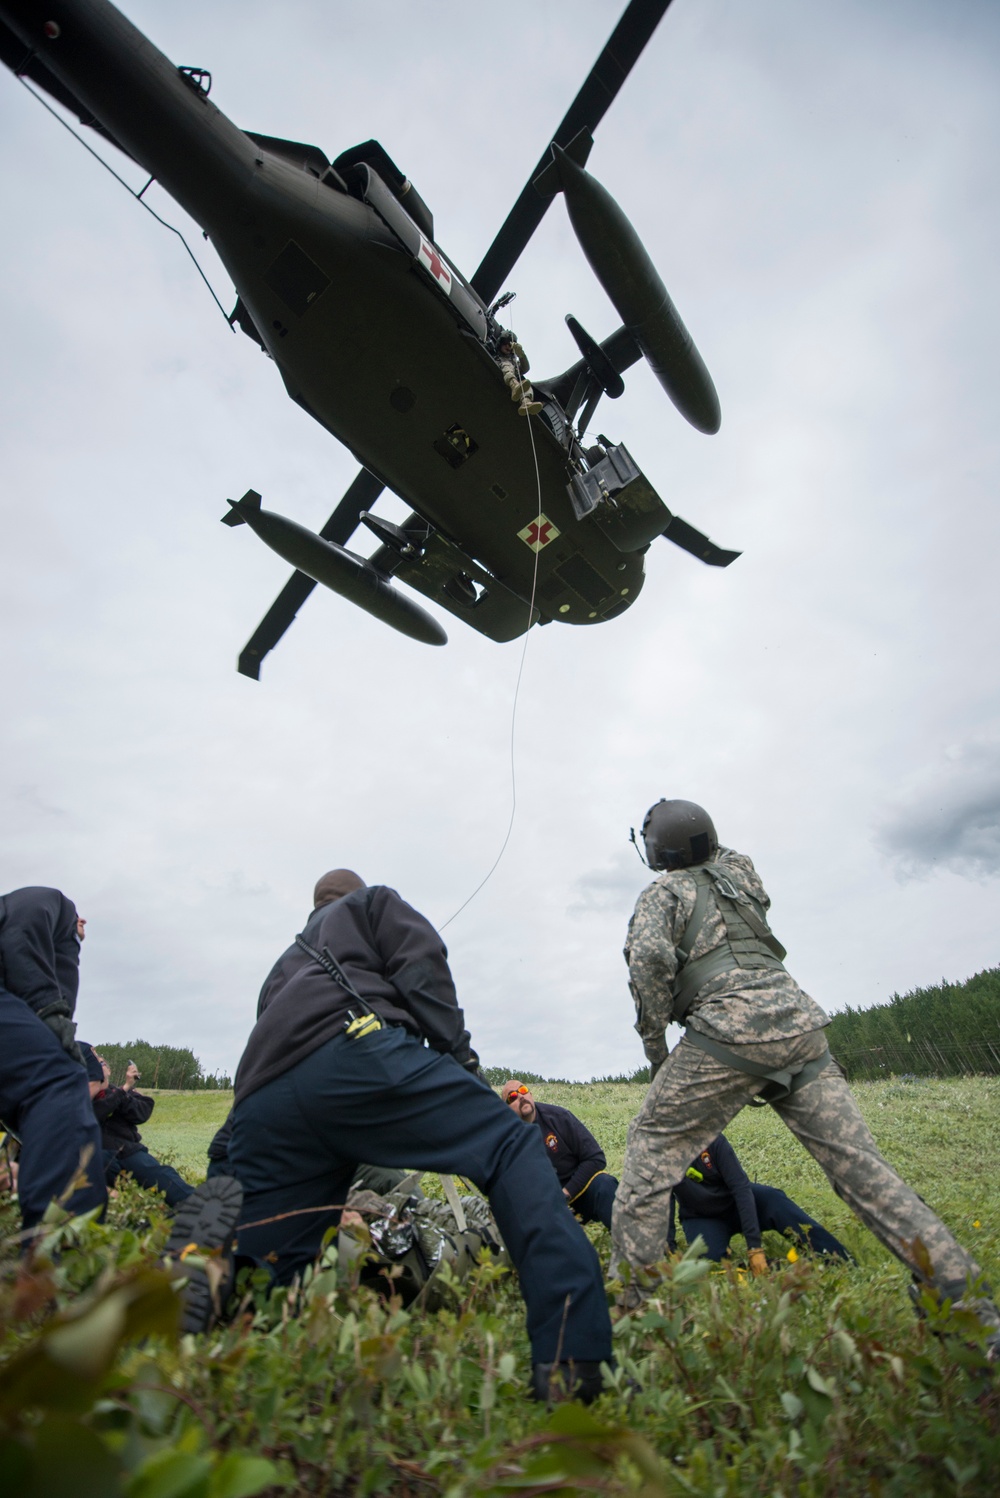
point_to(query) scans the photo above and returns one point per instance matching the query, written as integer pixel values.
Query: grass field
(816, 1381)
(943, 1136)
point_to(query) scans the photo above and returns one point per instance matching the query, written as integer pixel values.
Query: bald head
(334, 885)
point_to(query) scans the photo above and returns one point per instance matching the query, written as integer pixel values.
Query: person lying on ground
(716, 1200)
(402, 1238)
(577, 1158)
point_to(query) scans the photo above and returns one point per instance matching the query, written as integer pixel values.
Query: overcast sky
(818, 186)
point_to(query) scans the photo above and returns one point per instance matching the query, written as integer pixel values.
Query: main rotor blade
(624, 47)
(341, 525)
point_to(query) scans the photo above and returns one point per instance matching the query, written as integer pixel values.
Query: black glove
(64, 1031)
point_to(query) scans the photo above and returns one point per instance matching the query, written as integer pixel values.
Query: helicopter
(337, 270)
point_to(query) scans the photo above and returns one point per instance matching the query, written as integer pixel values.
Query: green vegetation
(159, 1066)
(950, 1029)
(816, 1382)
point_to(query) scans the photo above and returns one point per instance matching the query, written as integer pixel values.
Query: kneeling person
(119, 1110)
(717, 1199)
(360, 1053)
(576, 1156)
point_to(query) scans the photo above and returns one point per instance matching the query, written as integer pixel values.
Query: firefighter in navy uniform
(119, 1111)
(576, 1156)
(700, 952)
(44, 1098)
(360, 1053)
(329, 887)
(717, 1199)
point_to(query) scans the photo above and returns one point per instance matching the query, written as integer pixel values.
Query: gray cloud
(950, 819)
(613, 887)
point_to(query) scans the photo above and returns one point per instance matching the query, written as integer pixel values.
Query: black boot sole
(205, 1221)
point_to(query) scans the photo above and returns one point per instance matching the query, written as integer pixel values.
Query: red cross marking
(437, 264)
(432, 260)
(539, 535)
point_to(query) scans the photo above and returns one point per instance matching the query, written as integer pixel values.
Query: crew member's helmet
(678, 834)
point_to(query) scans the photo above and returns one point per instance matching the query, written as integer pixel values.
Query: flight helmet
(678, 834)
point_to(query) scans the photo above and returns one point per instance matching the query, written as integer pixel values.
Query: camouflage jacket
(739, 1007)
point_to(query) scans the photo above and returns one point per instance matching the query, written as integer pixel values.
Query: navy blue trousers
(389, 1100)
(45, 1099)
(595, 1204)
(149, 1172)
(775, 1211)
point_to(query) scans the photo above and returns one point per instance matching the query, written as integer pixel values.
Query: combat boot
(529, 408)
(204, 1226)
(555, 1383)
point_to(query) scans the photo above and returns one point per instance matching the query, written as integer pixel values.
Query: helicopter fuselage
(374, 332)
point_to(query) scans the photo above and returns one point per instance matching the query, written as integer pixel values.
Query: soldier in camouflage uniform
(513, 362)
(700, 952)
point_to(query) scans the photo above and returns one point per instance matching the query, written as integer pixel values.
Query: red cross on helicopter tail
(539, 533)
(431, 260)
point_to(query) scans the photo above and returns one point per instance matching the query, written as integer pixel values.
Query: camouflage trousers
(520, 388)
(692, 1099)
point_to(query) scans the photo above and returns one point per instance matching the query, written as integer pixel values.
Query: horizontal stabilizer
(596, 360)
(689, 539)
(621, 351)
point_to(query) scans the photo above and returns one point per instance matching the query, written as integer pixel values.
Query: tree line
(173, 1067)
(949, 1029)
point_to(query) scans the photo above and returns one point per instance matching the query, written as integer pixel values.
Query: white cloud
(949, 816)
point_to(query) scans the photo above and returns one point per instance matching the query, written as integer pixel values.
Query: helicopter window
(456, 446)
(297, 279)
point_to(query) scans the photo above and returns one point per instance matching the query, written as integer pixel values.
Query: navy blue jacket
(570, 1146)
(40, 950)
(119, 1110)
(725, 1186)
(391, 955)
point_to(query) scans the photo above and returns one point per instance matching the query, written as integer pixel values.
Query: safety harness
(750, 943)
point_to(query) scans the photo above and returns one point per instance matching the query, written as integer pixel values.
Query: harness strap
(780, 1084)
(693, 974)
(454, 1201)
(696, 920)
(748, 909)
